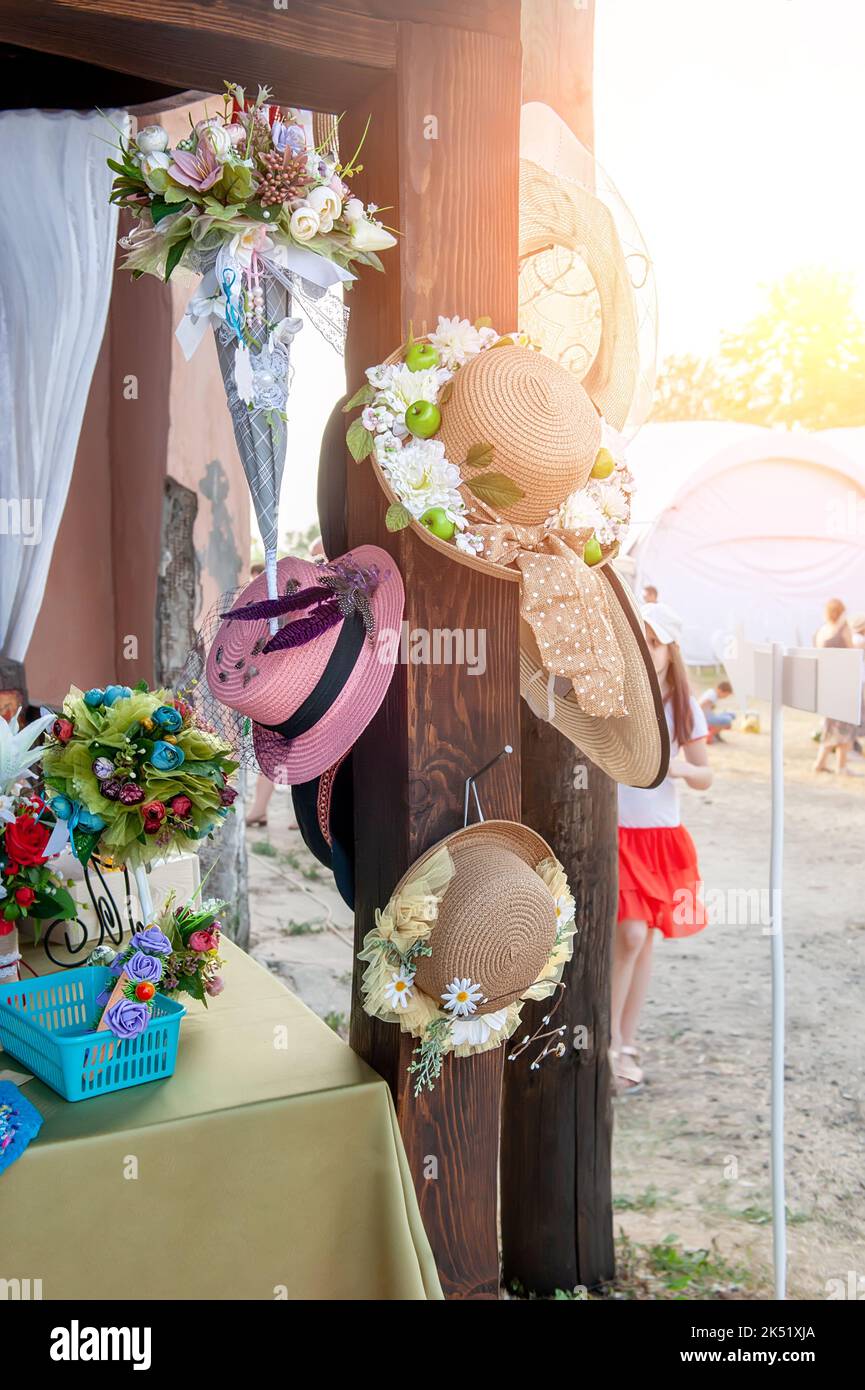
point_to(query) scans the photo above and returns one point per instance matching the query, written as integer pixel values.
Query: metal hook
(471, 789)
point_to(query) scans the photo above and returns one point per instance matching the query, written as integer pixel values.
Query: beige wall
(101, 587)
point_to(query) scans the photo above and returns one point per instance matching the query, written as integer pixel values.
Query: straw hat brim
(558, 212)
(633, 749)
(521, 840)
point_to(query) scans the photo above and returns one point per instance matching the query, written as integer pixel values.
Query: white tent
(743, 527)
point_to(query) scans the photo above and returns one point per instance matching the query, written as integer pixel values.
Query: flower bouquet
(178, 954)
(249, 202)
(135, 775)
(29, 838)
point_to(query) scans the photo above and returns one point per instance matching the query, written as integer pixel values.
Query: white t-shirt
(645, 809)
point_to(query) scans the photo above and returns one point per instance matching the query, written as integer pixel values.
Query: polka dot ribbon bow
(567, 605)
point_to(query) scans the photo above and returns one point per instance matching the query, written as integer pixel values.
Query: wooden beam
(50, 80)
(455, 200)
(557, 1226)
(312, 55)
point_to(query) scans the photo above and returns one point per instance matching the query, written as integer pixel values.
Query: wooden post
(557, 1121)
(443, 147)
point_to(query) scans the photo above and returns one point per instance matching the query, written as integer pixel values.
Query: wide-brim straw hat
(634, 749)
(544, 432)
(496, 923)
(309, 702)
(586, 287)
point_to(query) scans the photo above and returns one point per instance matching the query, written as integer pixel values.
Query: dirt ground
(691, 1152)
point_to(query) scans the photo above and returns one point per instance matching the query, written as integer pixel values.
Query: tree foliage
(798, 364)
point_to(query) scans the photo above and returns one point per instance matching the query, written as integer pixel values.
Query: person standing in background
(837, 736)
(659, 878)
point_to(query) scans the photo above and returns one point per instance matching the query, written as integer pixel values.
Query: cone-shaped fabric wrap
(260, 431)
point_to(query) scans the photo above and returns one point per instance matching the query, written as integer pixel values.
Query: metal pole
(779, 1214)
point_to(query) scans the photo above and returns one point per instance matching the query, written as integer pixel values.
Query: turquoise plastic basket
(47, 1025)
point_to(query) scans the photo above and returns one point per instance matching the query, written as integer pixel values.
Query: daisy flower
(398, 989)
(478, 1030)
(565, 909)
(462, 997)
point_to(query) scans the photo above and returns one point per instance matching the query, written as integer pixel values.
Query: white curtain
(57, 236)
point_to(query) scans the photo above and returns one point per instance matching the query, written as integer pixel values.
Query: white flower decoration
(377, 418)
(457, 340)
(327, 203)
(478, 1030)
(404, 387)
(398, 989)
(565, 910)
(462, 997)
(421, 476)
(580, 512)
(468, 543)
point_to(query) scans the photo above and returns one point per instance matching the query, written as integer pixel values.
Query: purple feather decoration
(276, 607)
(295, 634)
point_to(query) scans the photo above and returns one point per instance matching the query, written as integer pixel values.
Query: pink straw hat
(311, 689)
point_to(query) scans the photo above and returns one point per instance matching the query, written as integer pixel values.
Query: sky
(734, 131)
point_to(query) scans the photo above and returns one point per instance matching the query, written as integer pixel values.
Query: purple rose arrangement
(177, 955)
(135, 774)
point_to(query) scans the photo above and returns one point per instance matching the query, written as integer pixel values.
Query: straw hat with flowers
(496, 455)
(480, 923)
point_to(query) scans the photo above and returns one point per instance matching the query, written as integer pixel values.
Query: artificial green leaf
(174, 195)
(191, 984)
(397, 517)
(503, 342)
(160, 208)
(446, 392)
(174, 254)
(495, 489)
(480, 455)
(157, 180)
(235, 184)
(359, 440)
(361, 397)
(256, 213)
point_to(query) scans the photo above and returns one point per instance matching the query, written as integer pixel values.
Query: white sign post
(825, 681)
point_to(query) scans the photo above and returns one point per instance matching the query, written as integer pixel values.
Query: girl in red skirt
(659, 880)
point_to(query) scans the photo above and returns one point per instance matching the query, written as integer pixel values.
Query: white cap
(664, 622)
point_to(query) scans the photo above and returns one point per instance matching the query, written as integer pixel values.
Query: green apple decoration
(436, 519)
(592, 552)
(423, 419)
(604, 464)
(421, 356)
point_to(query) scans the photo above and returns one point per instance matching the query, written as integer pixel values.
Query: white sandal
(628, 1075)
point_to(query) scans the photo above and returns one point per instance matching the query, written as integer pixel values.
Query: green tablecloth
(269, 1166)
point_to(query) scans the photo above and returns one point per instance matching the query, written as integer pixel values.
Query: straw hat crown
(543, 428)
(496, 924)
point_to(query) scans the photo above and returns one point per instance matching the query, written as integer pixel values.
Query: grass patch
(669, 1270)
(665, 1271)
(338, 1022)
(265, 849)
(649, 1200)
(301, 929)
